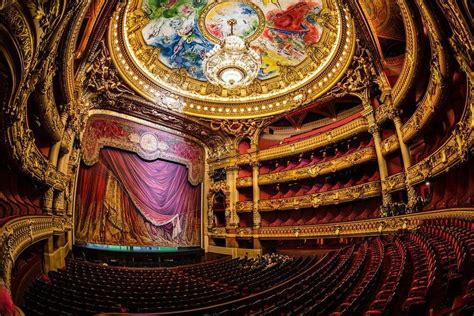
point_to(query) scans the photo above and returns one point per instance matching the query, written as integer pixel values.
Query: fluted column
(256, 196)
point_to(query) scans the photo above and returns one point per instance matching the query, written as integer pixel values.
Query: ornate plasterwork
(411, 66)
(149, 142)
(295, 86)
(374, 226)
(356, 158)
(18, 234)
(452, 152)
(394, 182)
(356, 126)
(412, 56)
(35, 61)
(362, 191)
(216, 187)
(433, 96)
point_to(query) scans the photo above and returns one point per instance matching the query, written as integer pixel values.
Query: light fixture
(232, 64)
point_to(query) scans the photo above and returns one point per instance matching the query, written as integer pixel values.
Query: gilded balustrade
(394, 182)
(374, 226)
(452, 152)
(16, 235)
(327, 167)
(362, 191)
(412, 56)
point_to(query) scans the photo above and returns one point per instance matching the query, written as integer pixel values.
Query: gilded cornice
(374, 226)
(362, 191)
(356, 158)
(17, 234)
(290, 130)
(337, 134)
(140, 108)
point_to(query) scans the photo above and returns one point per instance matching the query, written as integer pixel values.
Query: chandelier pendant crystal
(232, 64)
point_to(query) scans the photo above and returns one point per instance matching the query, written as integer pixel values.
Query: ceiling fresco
(159, 46)
(186, 30)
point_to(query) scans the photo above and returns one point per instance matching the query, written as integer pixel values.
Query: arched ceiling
(158, 46)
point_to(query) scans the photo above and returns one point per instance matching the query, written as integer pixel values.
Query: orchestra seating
(407, 272)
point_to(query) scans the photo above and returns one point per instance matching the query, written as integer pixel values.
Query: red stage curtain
(151, 201)
(157, 188)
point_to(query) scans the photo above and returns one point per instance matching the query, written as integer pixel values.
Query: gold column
(206, 212)
(373, 129)
(256, 196)
(406, 157)
(232, 219)
(48, 196)
(403, 147)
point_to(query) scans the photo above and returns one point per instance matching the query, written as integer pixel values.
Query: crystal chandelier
(232, 64)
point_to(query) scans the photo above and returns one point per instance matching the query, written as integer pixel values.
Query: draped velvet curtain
(125, 199)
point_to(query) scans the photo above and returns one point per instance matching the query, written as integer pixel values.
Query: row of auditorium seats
(427, 270)
(84, 288)
(310, 158)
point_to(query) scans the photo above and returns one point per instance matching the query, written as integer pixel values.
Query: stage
(138, 256)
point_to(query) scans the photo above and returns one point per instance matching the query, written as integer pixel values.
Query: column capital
(373, 129)
(255, 164)
(231, 168)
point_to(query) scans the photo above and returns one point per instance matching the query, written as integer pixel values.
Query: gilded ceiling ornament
(239, 128)
(102, 75)
(359, 77)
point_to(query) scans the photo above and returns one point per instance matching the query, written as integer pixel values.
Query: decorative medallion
(148, 142)
(250, 20)
(304, 46)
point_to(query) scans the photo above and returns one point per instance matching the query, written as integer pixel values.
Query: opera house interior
(236, 157)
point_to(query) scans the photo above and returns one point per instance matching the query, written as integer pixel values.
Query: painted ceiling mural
(175, 29)
(159, 46)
